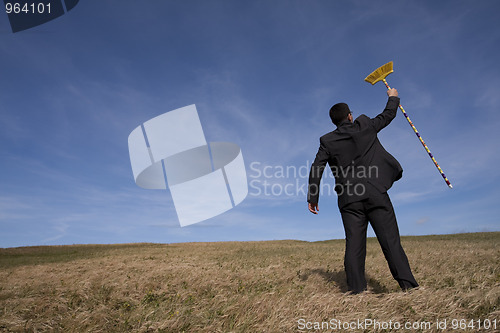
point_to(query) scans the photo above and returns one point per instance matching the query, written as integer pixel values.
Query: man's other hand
(313, 207)
(392, 92)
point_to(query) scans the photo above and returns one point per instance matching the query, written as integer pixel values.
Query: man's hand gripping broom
(379, 75)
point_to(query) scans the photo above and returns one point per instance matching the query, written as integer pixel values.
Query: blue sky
(263, 74)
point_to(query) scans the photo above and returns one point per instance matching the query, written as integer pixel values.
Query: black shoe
(353, 292)
(417, 287)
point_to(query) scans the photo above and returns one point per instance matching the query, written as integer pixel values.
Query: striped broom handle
(422, 141)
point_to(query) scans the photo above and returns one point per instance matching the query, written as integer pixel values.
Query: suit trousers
(377, 210)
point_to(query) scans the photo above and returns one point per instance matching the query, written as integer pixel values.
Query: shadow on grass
(339, 278)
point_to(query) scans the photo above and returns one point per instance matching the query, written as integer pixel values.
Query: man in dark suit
(363, 172)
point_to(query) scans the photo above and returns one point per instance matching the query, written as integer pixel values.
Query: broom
(379, 75)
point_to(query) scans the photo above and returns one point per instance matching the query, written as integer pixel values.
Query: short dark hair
(339, 113)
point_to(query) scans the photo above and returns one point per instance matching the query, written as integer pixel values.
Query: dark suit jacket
(356, 158)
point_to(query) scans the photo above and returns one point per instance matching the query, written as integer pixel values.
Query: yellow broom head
(380, 73)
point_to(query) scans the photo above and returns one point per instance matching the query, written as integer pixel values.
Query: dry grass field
(273, 286)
